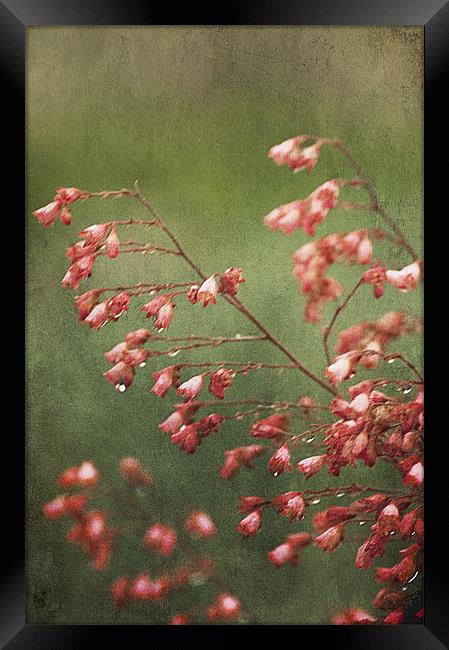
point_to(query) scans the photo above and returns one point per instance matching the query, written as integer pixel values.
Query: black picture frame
(15, 17)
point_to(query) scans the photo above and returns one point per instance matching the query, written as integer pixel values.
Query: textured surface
(191, 112)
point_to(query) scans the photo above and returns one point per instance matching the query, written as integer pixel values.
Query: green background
(192, 112)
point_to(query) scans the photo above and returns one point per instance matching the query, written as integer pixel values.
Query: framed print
(224, 324)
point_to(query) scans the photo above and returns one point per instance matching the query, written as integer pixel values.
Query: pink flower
(341, 369)
(286, 218)
(187, 438)
(112, 243)
(86, 475)
(225, 607)
(99, 316)
(248, 504)
(415, 476)
(310, 466)
(291, 505)
(354, 616)
(173, 423)
(396, 617)
(405, 279)
(273, 426)
(140, 587)
(292, 153)
(95, 233)
(161, 538)
(209, 424)
(164, 316)
(121, 376)
(94, 525)
(153, 307)
(250, 524)
(281, 554)
(48, 214)
(199, 524)
(165, 379)
(364, 251)
(376, 276)
(86, 302)
(178, 619)
(330, 539)
(119, 591)
(133, 473)
(117, 353)
(207, 293)
(230, 281)
(190, 388)
(136, 357)
(220, 380)
(388, 520)
(286, 150)
(68, 194)
(134, 339)
(192, 294)
(79, 270)
(280, 461)
(55, 508)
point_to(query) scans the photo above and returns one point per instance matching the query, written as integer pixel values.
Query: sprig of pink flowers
(362, 425)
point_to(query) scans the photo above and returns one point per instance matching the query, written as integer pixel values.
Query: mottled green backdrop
(191, 112)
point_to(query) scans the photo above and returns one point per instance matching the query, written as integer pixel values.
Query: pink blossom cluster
(313, 259)
(97, 530)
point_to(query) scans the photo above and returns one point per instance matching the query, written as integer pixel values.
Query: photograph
(224, 325)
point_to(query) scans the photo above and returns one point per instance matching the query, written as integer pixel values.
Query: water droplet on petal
(413, 578)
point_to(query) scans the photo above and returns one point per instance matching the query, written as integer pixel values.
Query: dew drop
(174, 353)
(413, 533)
(362, 523)
(161, 329)
(315, 501)
(238, 336)
(406, 391)
(351, 375)
(340, 494)
(391, 360)
(276, 474)
(404, 589)
(413, 578)
(152, 292)
(121, 388)
(142, 365)
(311, 439)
